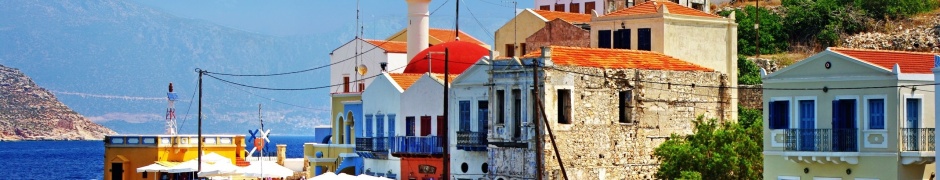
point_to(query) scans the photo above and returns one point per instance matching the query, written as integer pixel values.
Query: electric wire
(281, 102)
(488, 33)
(300, 89)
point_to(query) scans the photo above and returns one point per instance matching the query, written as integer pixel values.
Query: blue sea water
(83, 159)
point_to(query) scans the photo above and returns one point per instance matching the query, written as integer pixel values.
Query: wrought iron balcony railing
(380, 144)
(417, 146)
(917, 139)
(471, 141)
(822, 140)
(364, 144)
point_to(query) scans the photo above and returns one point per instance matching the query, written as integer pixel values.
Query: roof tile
(909, 62)
(616, 59)
(447, 35)
(652, 7)
(390, 46)
(405, 80)
(569, 17)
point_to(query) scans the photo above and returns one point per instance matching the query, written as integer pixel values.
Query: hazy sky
(305, 17)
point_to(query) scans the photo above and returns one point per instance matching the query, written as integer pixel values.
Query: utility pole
(446, 117)
(540, 167)
(199, 158)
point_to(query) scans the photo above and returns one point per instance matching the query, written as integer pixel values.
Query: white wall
(469, 86)
(371, 59)
(382, 98)
(424, 98)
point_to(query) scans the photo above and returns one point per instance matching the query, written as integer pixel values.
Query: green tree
(748, 72)
(773, 36)
(729, 150)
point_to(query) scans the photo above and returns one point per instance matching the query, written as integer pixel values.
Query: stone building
(607, 109)
(511, 38)
(559, 32)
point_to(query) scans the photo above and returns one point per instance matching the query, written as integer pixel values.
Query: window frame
(500, 107)
(920, 111)
(564, 110)
(639, 39)
(625, 108)
(795, 121)
(464, 115)
(867, 114)
(789, 112)
(857, 102)
(609, 34)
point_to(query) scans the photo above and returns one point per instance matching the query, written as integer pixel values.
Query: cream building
(675, 30)
(511, 37)
(851, 114)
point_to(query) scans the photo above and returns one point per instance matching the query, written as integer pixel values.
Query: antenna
(171, 97)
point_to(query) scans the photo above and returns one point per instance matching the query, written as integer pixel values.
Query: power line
(488, 33)
(285, 103)
(300, 89)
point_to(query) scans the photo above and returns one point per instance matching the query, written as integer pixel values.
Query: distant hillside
(29, 112)
(120, 49)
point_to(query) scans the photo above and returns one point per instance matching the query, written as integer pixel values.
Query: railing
(917, 139)
(414, 145)
(822, 140)
(364, 144)
(471, 141)
(380, 144)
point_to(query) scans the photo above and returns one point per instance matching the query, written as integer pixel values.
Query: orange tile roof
(447, 35)
(909, 62)
(405, 80)
(616, 59)
(389, 46)
(450, 78)
(570, 17)
(652, 7)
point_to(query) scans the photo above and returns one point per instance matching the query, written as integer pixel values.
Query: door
(844, 135)
(913, 124)
(807, 125)
(117, 171)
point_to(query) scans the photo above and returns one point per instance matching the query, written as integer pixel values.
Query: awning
(155, 167)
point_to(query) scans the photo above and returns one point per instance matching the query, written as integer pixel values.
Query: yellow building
(326, 157)
(851, 114)
(123, 154)
(511, 37)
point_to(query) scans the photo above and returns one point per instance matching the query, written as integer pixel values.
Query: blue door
(844, 134)
(807, 125)
(913, 124)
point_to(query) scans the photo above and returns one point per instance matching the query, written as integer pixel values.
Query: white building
(381, 107)
(374, 54)
(417, 139)
(468, 116)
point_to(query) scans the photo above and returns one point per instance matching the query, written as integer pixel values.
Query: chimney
(281, 153)
(417, 26)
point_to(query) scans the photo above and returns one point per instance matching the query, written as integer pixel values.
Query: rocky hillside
(29, 112)
(923, 37)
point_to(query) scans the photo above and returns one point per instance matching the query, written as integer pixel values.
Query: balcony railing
(917, 139)
(471, 141)
(380, 144)
(822, 140)
(417, 146)
(364, 144)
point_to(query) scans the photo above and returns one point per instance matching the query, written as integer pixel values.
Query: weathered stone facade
(560, 33)
(751, 96)
(596, 145)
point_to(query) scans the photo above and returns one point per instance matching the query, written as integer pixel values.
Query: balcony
(503, 137)
(414, 146)
(821, 145)
(917, 146)
(372, 147)
(471, 141)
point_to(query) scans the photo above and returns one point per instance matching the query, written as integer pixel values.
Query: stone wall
(751, 96)
(597, 146)
(559, 33)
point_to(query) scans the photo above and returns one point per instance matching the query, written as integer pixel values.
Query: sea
(84, 159)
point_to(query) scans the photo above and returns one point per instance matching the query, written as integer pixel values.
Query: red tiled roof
(652, 7)
(616, 59)
(570, 17)
(405, 80)
(463, 54)
(390, 46)
(450, 78)
(909, 62)
(447, 35)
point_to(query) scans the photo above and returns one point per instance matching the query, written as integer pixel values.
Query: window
(510, 50)
(876, 114)
(425, 125)
(603, 39)
(575, 8)
(482, 115)
(164, 140)
(564, 106)
(464, 107)
(346, 83)
(560, 7)
(225, 140)
(117, 140)
(391, 125)
(913, 113)
(517, 113)
(379, 126)
(545, 7)
(500, 106)
(699, 6)
(588, 7)
(645, 39)
(807, 114)
(133, 140)
(622, 39)
(368, 131)
(410, 126)
(626, 106)
(209, 140)
(779, 114)
(150, 140)
(522, 49)
(441, 123)
(630, 3)
(843, 114)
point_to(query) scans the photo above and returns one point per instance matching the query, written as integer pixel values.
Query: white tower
(417, 26)
(171, 112)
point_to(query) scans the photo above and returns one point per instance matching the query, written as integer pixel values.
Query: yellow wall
(516, 30)
(329, 151)
(337, 113)
(139, 155)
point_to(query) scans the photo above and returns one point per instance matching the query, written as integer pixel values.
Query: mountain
(112, 60)
(29, 112)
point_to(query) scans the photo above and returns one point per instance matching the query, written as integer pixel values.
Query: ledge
(917, 157)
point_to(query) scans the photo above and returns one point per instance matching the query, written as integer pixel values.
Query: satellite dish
(362, 69)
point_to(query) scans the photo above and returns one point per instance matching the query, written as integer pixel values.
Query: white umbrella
(193, 165)
(325, 176)
(219, 169)
(265, 169)
(368, 177)
(152, 168)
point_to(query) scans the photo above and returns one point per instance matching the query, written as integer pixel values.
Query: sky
(312, 17)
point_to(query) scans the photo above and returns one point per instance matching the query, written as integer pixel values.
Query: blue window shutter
(835, 114)
(772, 114)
